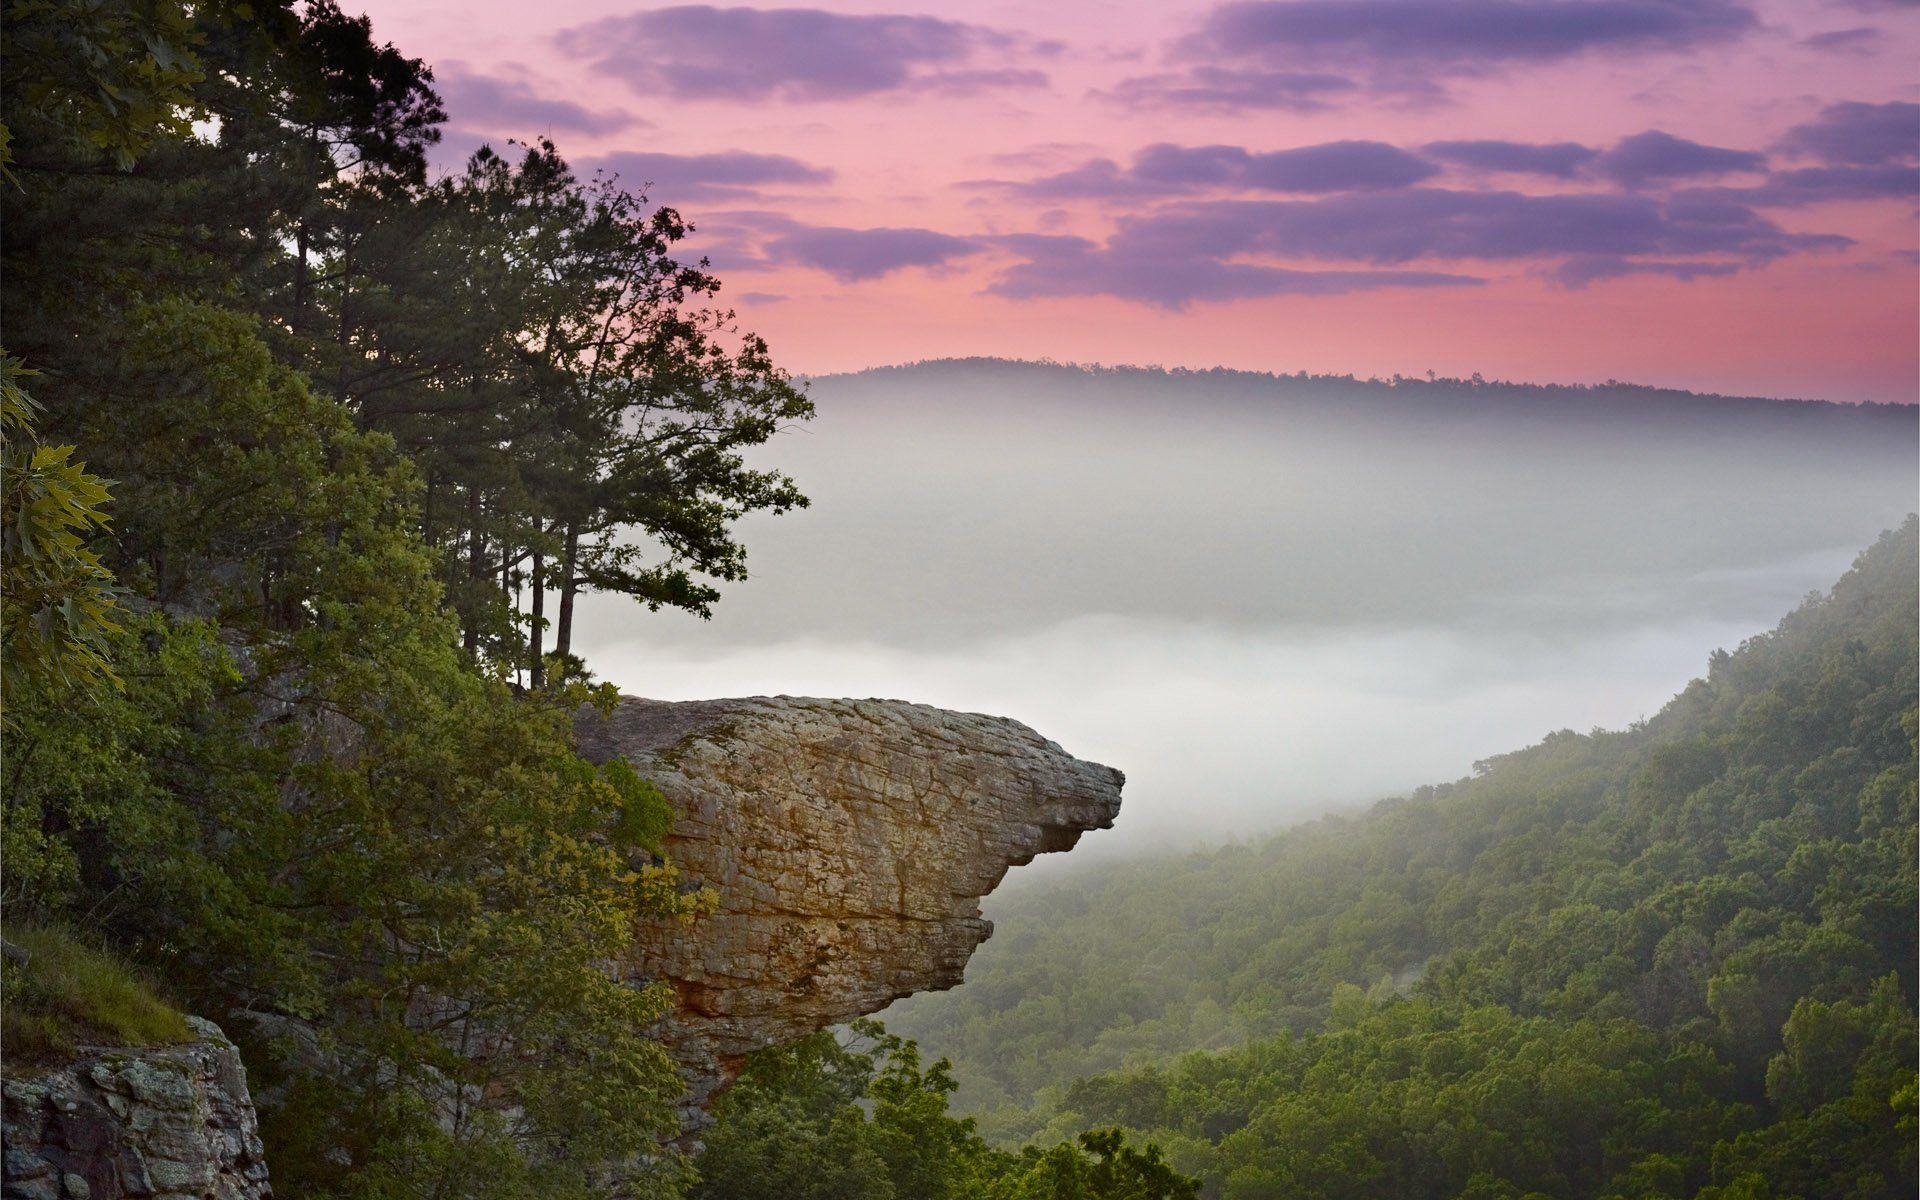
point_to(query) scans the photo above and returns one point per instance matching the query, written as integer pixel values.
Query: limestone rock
(849, 842)
(170, 1122)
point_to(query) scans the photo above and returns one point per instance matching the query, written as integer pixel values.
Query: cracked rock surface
(170, 1122)
(849, 841)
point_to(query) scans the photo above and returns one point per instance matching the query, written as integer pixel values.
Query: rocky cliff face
(849, 842)
(168, 1122)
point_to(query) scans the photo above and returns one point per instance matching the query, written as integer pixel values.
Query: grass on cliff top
(57, 993)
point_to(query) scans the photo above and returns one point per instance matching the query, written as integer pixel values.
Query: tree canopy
(298, 439)
(1672, 961)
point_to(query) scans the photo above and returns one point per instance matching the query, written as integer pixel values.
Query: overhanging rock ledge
(850, 842)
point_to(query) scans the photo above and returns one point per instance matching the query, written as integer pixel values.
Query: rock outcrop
(167, 1122)
(849, 842)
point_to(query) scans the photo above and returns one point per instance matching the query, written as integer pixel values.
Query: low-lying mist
(1266, 598)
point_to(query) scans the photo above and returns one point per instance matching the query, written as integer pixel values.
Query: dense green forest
(299, 442)
(1672, 961)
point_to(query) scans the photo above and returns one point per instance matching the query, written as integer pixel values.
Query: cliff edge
(849, 842)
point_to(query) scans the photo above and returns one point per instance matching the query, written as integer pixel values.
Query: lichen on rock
(169, 1122)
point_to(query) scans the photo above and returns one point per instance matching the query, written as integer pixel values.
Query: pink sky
(881, 182)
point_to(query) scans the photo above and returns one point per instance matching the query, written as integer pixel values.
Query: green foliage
(1670, 961)
(316, 801)
(60, 993)
(57, 609)
(1099, 1166)
(575, 404)
(860, 1118)
(111, 76)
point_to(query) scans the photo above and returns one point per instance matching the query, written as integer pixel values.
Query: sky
(1710, 194)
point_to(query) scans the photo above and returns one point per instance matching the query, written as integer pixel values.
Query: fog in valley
(1268, 598)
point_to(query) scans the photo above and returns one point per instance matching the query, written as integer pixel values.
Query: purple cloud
(1253, 54)
(973, 82)
(674, 178)
(1192, 166)
(1166, 168)
(1463, 35)
(1823, 185)
(1392, 228)
(1338, 167)
(1816, 185)
(1555, 160)
(1859, 135)
(1100, 178)
(1328, 167)
(1863, 39)
(1074, 266)
(1586, 269)
(1212, 88)
(854, 255)
(699, 51)
(1201, 250)
(1655, 157)
(477, 101)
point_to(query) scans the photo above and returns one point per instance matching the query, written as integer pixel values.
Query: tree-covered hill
(297, 441)
(1675, 960)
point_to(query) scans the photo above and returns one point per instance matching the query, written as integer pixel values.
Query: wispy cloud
(1163, 168)
(1859, 39)
(704, 52)
(1214, 250)
(852, 255)
(759, 240)
(1650, 159)
(1859, 135)
(1230, 89)
(509, 105)
(1462, 35)
(1824, 185)
(674, 178)
(1310, 54)
(1657, 157)
(1585, 269)
(1075, 266)
(1555, 160)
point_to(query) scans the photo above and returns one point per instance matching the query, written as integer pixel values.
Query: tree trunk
(476, 554)
(513, 606)
(426, 512)
(346, 318)
(569, 587)
(536, 670)
(300, 274)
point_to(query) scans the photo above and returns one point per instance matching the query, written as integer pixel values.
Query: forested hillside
(298, 438)
(1676, 960)
(300, 441)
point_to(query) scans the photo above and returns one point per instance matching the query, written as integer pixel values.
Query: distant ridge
(1400, 388)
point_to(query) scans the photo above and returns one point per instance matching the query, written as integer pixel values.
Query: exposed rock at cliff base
(849, 842)
(169, 1122)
